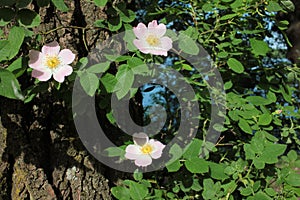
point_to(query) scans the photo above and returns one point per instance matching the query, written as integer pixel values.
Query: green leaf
(237, 4)
(109, 81)
(258, 100)
(176, 153)
(158, 193)
(9, 85)
(258, 142)
(137, 175)
(193, 149)
(207, 7)
(4, 50)
(121, 193)
(209, 190)
(292, 155)
(28, 18)
(283, 25)
(261, 196)
(110, 117)
(125, 80)
(15, 38)
(129, 37)
(187, 67)
(229, 187)
(270, 192)
(196, 165)
(265, 119)
(171, 195)
(89, 83)
(271, 97)
(234, 115)
(228, 16)
(222, 54)
(228, 85)
(259, 47)
(273, 7)
(191, 32)
(243, 124)
(18, 67)
(293, 179)
(60, 5)
(138, 191)
(275, 149)
(82, 63)
(288, 5)
(10, 48)
(217, 171)
(196, 186)
(235, 65)
(22, 3)
(188, 45)
(114, 152)
(134, 62)
(141, 69)
(100, 3)
(43, 3)
(246, 191)
(126, 15)
(6, 15)
(114, 23)
(98, 68)
(100, 23)
(270, 137)
(7, 2)
(271, 152)
(229, 170)
(173, 166)
(258, 163)
(171, 34)
(32, 91)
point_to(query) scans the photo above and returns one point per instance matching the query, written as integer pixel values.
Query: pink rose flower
(152, 40)
(51, 61)
(143, 150)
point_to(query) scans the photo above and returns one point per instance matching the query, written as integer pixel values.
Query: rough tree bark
(38, 143)
(293, 33)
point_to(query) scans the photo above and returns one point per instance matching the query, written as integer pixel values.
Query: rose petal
(61, 72)
(157, 31)
(142, 46)
(35, 59)
(166, 43)
(152, 24)
(66, 56)
(132, 152)
(41, 74)
(143, 160)
(140, 31)
(159, 52)
(158, 148)
(51, 48)
(163, 48)
(140, 138)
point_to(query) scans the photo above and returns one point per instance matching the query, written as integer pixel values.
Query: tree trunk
(293, 33)
(41, 154)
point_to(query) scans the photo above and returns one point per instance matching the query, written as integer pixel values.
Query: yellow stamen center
(52, 62)
(152, 40)
(146, 149)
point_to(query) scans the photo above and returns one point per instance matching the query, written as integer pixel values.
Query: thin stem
(73, 27)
